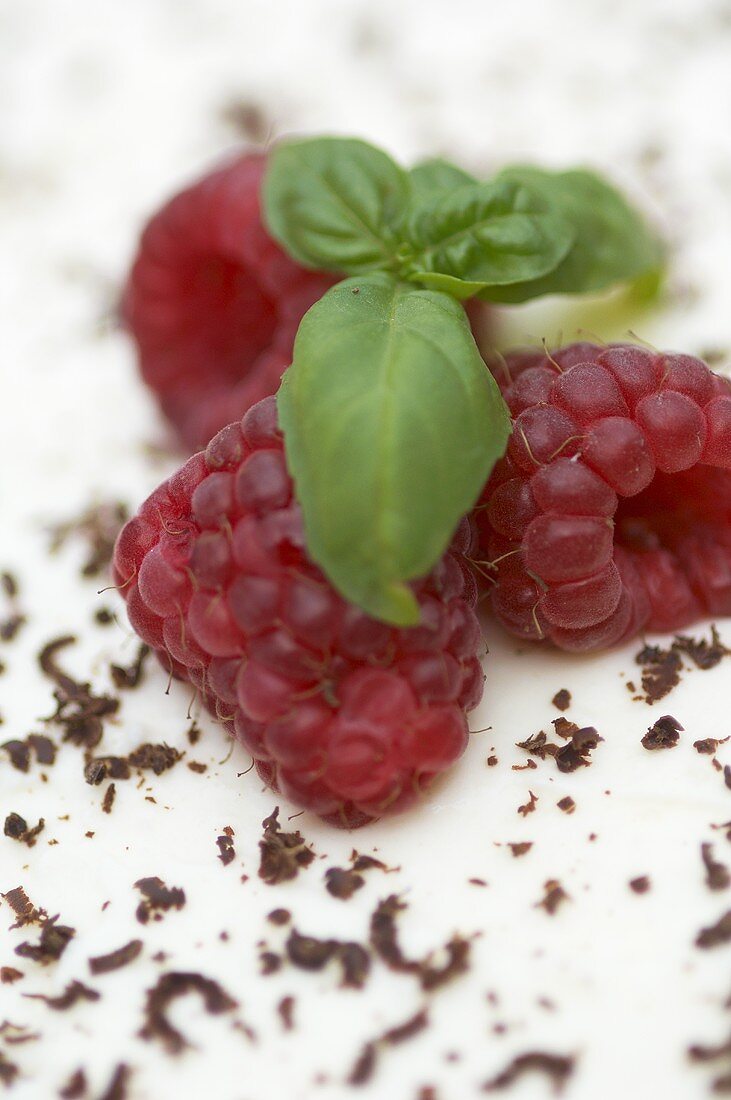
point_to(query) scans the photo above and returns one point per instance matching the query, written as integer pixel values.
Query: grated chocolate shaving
(557, 1067)
(169, 988)
(114, 960)
(663, 734)
(282, 855)
(717, 875)
(74, 992)
(554, 896)
(157, 898)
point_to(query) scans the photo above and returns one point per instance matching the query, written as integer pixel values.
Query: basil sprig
(391, 421)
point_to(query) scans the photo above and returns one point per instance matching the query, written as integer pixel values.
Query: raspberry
(213, 304)
(611, 511)
(349, 717)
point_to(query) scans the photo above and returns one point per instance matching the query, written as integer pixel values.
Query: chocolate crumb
(704, 654)
(117, 1087)
(521, 848)
(75, 1088)
(663, 734)
(114, 960)
(640, 885)
(248, 119)
(529, 806)
(364, 1067)
(108, 801)
(492, 761)
(554, 896)
(279, 916)
(562, 699)
(226, 850)
(193, 733)
(155, 758)
(157, 898)
(727, 776)
(104, 616)
(566, 804)
(9, 584)
(342, 883)
(79, 713)
(661, 670)
(708, 745)
(16, 827)
(285, 1008)
(283, 855)
(558, 1068)
(168, 988)
(74, 992)
(8, 975)
(716, 934)
(717, 875)
(197, 767)
(131, 677)
(477, 882)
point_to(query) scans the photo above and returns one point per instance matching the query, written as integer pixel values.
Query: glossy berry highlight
(610, 514)
(347, 716)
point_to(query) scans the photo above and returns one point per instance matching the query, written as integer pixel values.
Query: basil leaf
(333, 203)
(435, 177)
(392, 423)
(613, 242)
(485, 235)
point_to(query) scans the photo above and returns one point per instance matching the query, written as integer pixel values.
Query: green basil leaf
(485, 235)
(432, 178)
(333, 203)
(613, 242)
(391, 423)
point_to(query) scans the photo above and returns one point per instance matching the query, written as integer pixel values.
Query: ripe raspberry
(347, 716)
(213, 303)
(611, 511)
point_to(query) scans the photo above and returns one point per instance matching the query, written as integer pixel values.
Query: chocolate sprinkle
(168, 988)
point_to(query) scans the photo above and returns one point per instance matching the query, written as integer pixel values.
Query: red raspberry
(213, 303)
(347, 716)
(611, 511)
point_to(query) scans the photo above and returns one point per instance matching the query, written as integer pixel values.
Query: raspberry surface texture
(347, 716)
(213, 304)
(610, 513)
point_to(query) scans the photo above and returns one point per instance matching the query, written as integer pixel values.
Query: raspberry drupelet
(610, 513)
(213, 304)
(347, 716)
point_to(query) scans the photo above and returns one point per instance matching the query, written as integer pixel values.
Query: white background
(105, 108)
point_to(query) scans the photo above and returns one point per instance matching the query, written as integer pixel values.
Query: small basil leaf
(492, 234)
(333, 203)
(613, 242)
(392, 423)
(435, 177)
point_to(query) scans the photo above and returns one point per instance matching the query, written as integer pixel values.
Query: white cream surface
(105, 109)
